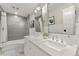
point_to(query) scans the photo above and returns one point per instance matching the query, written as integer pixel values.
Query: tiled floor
(13, 48)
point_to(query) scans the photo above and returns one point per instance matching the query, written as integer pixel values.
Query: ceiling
(77, 6)
(27, 8)
(22, 9)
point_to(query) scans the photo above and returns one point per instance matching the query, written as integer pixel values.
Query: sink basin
(54, 45)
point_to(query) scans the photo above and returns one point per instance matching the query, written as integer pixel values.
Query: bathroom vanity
(52, 19)
(37, 46)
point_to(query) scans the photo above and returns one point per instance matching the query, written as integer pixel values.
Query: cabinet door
(33, 50)
(36, 51)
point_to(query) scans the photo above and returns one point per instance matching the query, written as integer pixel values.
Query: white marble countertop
(66, 51)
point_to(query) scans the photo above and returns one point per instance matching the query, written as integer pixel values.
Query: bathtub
(13, 48)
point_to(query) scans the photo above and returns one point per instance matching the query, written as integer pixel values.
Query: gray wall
(17, 27)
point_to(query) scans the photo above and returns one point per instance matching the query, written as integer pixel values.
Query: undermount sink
(54, 45)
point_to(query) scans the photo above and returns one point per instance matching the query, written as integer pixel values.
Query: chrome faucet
(54, 38)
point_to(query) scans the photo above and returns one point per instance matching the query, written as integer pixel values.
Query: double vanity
(37, 46)
(55, 20)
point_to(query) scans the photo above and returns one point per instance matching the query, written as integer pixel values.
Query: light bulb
(35, 11)
(38, 8)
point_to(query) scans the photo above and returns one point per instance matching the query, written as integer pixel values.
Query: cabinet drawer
(36, 51)
(32, 50)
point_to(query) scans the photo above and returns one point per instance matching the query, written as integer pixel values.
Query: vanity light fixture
(15, 9)
(35, 11)
(38, 8)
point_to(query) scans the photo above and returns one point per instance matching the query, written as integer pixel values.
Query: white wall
(57, 13)
(3, 27)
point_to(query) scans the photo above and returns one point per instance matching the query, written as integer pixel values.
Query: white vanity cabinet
(30, 49)
(38, 47)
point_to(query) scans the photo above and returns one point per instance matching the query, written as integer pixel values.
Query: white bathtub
(13, 48)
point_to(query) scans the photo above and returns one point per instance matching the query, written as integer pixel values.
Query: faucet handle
(53, 37)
